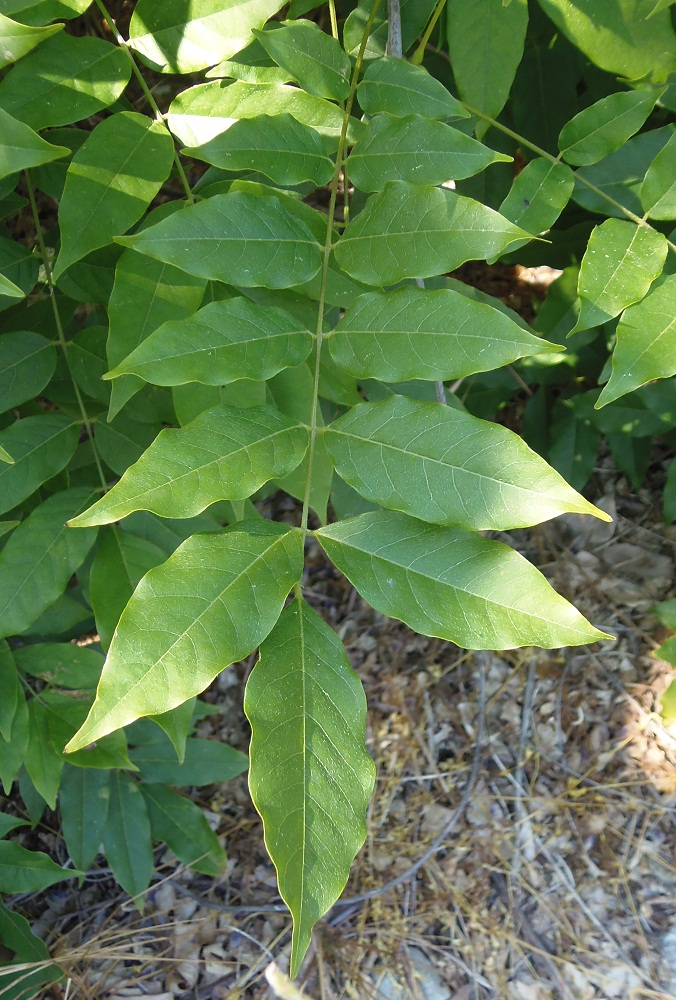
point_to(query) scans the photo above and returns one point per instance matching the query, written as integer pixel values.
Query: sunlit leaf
(538, 195)
(16, 39)
(310, 776)
(658, 191)
(605, 126)
(315, 60)
(22, 148)
(396, 87)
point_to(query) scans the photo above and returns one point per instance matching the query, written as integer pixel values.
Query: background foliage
(224, 271)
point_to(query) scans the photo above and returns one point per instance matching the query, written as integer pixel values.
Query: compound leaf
(310, 775)
(238, 238)
(417, 333)
(452, 584)
(442, 465)
(223, 454)
(221, 343)
(212, 602)
(619, 265)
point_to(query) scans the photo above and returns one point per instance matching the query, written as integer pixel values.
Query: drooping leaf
(177, 724)
(485, 43)
(28, 871)
(120, 562)
(101, 198)
(452, 584)
(39, 558)
(12, 750)
(573, 448)
(16, 935)
(9, 685)
(146, 293)
(395, 87)
(175, 38)
(619, 265)
(212, 602)
(64, 80)
(315, 60)
(658, 191)
(221, 343)
(16, 39)
(415, 149)
(206, 762)
(83, 801)
(42, 763)
(9, 823)
(223, 454)
(27, 363)
(21, 147)
(310, 777)
(418, 333)
(617, 35)
(278, 146)
(61, 664)
(237, 238)
(442, 465)
(646, 343)
(126, 837)
(201, 113)
(538, 195)
(412, 231)
(605, 126)
(40, 446)
(182, 825)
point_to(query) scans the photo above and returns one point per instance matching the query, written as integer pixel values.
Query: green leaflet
(230, 238)
(174, 38)
(16, 39)
(9, 289)
(223, 454)
(442, 465)
(19, 267)
(64, 80)
(146, 293)
(16, 935)
(538, 195)
(618, 36)
(29, 871)
(221, 343)
(122, 441)
(212, 602)
(418, 333)
(201, 113)
(411, 231)
(120, 562)
(43, 11)
(12, 750)
(646, 343)
(76, 668)
(205, 762)
(39, 558)
(41, 761)
(310, 775)
(314, 59)
(658, 191)
(252, 65)
(40, 446)
(9, 685)
(619, 265)
(395, 87)
(126, 837)
(104, 195)
(26, 366)
(280, 147)
(83, 799)
(22, 148)
(65, 716)
(485, 42)
(452, 584)
(182, 825)
(605, 126)
(415, 149)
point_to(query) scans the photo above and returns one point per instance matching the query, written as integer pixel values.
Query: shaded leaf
(26, 366)
(419, 333)
(315, 60)
(10, 687)
(605, 126)
(658, 191)
(16, 39)
(646, 343)
(9, 289)
(416, 149)
(669, 495)
(206, 762)
(40, 446)
(42, 763)
(182, 825)
(411, 231)
(207, 606)
(65, 80)
(221, 343)
(39, 559)
(175, 38)
(123, 441)
(126, 837)
(574, 445)
(101, 198)
(452, 584)
(83, 801)
(619, 265)
(61, 664)
(538, 195)
(28, 871)
(223, 454)
(396, 87)
(65, 715)
(252, 65)
(311, 777)
(21, 147)
(237, 238)
(16, 935)
(12, 750)
(442, 465)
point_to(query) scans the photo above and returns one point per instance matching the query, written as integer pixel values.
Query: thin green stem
(557, 159)
(124, 45)
(319, 332)
(417, 56)
(334, 19)
(59, 326)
